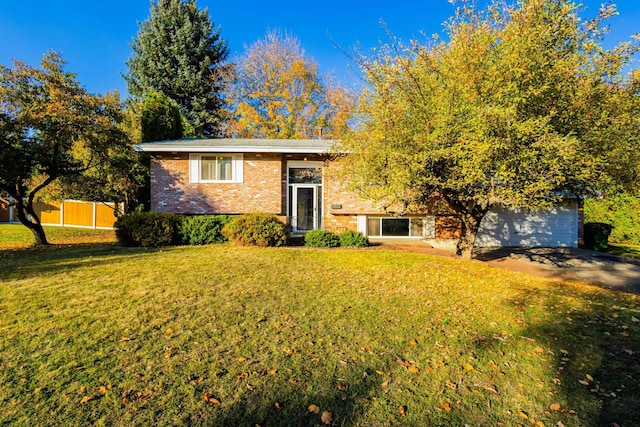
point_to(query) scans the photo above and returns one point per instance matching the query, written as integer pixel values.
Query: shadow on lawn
(31, 262)
(596, 350)
(291, 407)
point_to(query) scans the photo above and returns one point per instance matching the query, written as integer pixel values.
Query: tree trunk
(470, 226)
(24, 211)
(471, 213)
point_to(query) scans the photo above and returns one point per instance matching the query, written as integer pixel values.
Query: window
(215, 168)
(398, 227)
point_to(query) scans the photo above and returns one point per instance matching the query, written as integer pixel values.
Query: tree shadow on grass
(25, 263)
(291, 405)
(594, 337)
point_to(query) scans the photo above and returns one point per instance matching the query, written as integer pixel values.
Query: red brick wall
(261, 189)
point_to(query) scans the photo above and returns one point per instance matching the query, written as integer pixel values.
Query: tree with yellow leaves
(277, 92)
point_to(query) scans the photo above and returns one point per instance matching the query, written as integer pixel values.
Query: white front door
(304, 196)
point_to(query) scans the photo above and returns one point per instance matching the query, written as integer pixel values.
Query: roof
(228, 145)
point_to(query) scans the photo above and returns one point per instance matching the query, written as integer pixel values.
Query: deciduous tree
(51, 128)
(520, 106)
(180, 54)
(278, 92)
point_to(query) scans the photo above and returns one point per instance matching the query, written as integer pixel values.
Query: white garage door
(555, 227)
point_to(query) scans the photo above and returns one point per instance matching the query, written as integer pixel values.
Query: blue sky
(94, 36)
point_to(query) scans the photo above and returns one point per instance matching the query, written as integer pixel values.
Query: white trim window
(215, 168)
(423, 227)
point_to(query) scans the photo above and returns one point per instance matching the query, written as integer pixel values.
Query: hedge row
(155, 229)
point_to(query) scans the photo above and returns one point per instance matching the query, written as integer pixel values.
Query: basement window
(396, 227)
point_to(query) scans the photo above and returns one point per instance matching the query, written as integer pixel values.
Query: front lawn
(218, 335)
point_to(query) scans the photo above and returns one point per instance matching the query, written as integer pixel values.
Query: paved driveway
(599, 268)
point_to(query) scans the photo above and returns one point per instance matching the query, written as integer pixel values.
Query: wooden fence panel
(70, 213)
(4, 212)
(105, 215)
(78, 213)
(49, 213)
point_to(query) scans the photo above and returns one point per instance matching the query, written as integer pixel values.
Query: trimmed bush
(354, 239)
(202, 229)
(147, 229)
(622, 211)
(321, 239)
(256, 229)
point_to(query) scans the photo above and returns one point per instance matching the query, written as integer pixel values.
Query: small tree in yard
(51, 128)
(521, 106)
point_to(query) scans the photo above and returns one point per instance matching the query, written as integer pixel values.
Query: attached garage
(554, 227)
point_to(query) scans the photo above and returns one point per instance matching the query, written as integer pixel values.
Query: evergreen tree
(179, 53)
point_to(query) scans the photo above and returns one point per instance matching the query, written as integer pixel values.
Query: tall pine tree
(180, 54)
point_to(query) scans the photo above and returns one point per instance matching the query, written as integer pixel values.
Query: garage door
(555, 227)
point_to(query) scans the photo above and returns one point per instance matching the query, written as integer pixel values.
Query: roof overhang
(287, 146)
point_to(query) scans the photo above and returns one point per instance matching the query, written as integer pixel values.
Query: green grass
(95, 334)
(626, 250)
(17, 236)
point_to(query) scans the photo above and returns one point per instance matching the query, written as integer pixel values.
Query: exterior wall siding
(264, 189)
(260, 191)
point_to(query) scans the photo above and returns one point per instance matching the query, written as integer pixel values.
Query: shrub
(147, 229)
(256, 229)
(622, 211)
(353, 238)
(202, 229)
(321, 239)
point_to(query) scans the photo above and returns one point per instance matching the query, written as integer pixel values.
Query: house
(293, 179)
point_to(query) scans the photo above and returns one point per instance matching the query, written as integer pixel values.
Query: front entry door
(305, 215)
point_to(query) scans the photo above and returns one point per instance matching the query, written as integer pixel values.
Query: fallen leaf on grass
(102, 390)
(413, 342)
(446, 407)
(124, 339)
(241, 359)
(490, 388)
(326, 417)
(288, 351)
(85, 399)
(277, 405)
(380, 373)
(413, 369)
(468, 367)
(343, 387)
(522, 414)
(589, 377)
(555, 406)
(314, 408)
(211, 399)
(402, 410)
(629, 352)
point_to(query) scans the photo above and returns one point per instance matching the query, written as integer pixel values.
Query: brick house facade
(289, 178)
